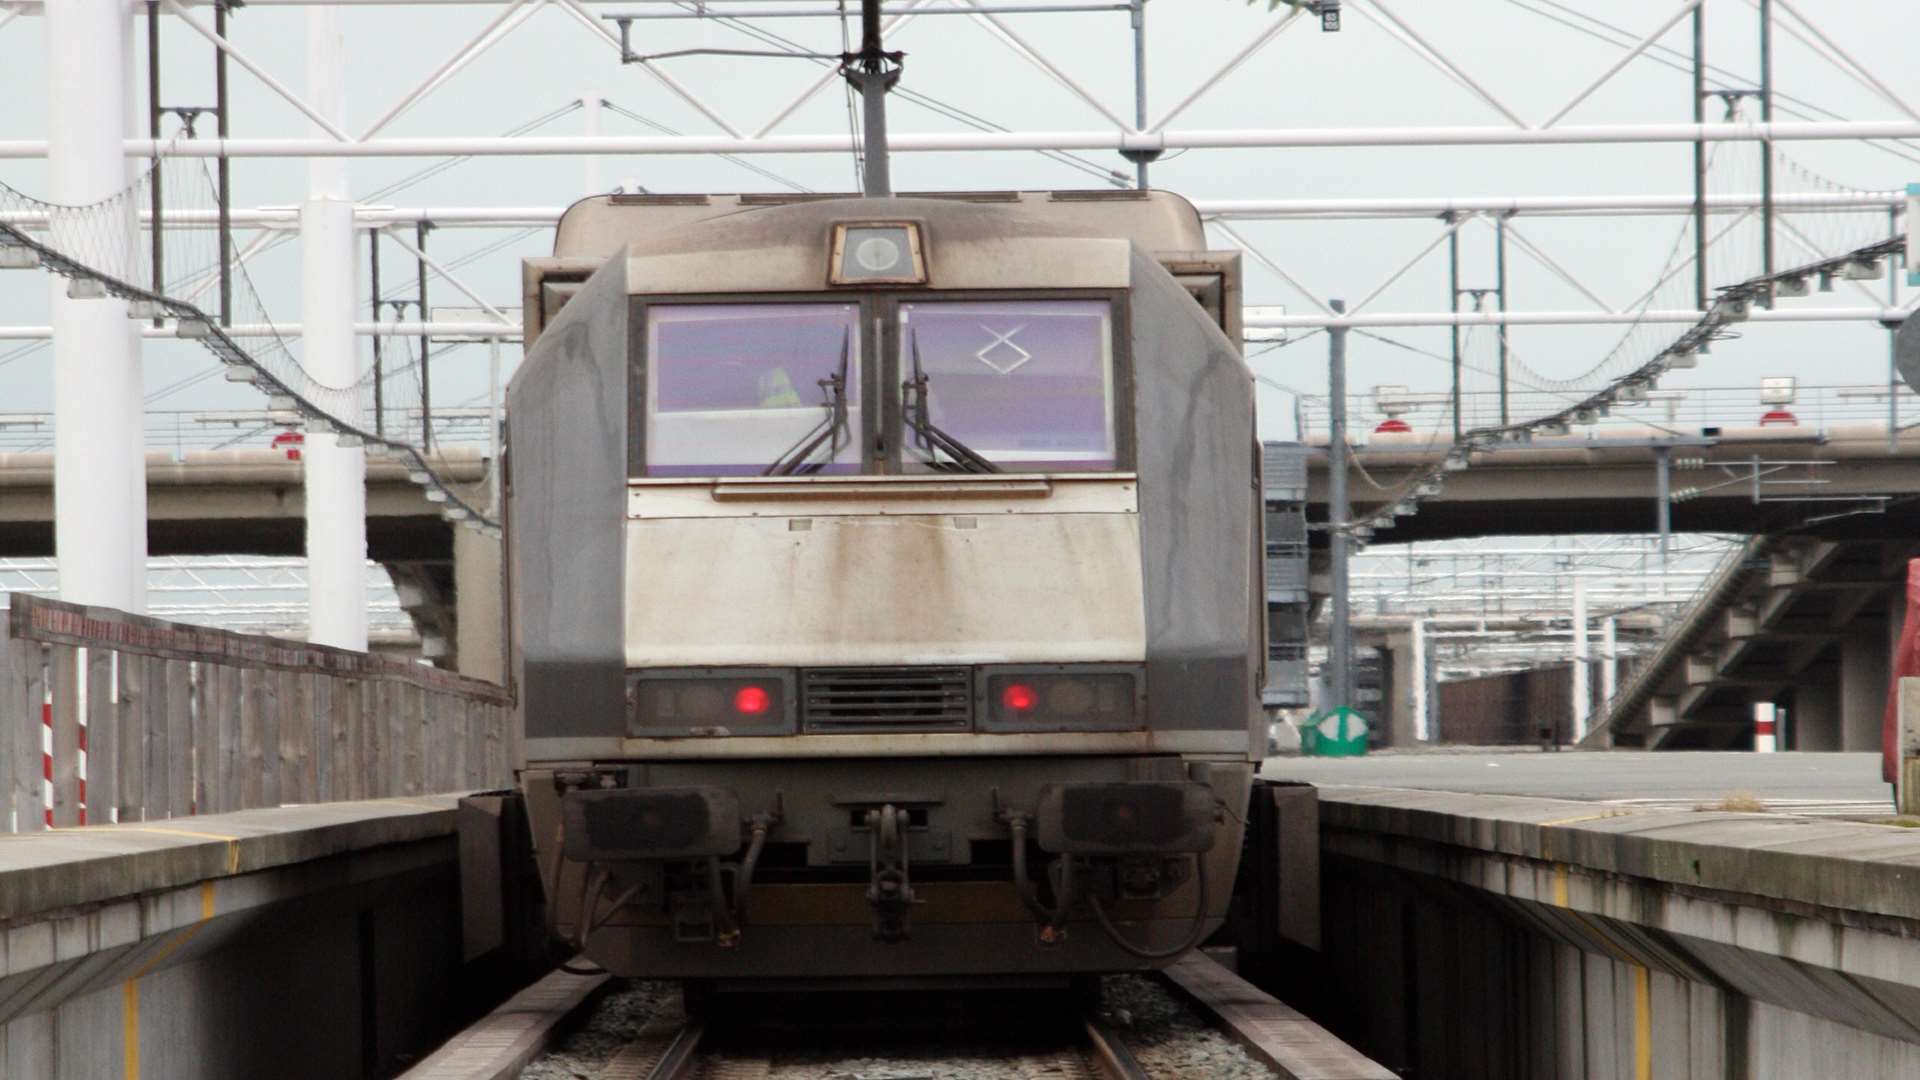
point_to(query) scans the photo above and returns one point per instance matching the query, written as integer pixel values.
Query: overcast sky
(1522, 51)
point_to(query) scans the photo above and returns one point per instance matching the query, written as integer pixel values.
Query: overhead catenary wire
(928, 102)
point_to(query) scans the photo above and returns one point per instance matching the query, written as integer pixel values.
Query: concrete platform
(301, 941)
(1607, 775)
(1502, 935)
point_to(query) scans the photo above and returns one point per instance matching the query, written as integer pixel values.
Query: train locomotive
(884, 584)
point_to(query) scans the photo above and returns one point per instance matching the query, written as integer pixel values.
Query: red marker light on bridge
(751, 701)
(1019, 697)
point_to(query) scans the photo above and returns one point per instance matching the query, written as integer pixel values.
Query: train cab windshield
(1025, 384)
(993, 385)
(732, 388)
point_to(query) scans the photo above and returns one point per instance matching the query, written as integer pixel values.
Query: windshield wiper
(929, 438)
(830, 430)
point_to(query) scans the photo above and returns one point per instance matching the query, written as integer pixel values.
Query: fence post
(413, 730)
(13, 716)
(26, 734)
(230, 722)
(99, 742)
(358, 758)
(157, 737)
(380, 728)
(1907, 747)
(320, 733)
(129, 739)
(252, 765)
(296, 738)
(206, 725)
(66, 689)
(177, 716)
(470, 745)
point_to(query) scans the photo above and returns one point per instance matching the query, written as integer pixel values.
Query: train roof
(1154, 221)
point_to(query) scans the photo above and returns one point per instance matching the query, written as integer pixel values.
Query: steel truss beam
(1217, 210)
(972, 141)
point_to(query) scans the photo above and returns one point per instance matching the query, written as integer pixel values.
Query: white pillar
(1422, 726)
(100, 476)
(590, 104)
(1609, 658)
(1582, 697)
(336, 476)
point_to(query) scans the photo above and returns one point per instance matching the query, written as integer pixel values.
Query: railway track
(1231, 1030)
(674, 1052)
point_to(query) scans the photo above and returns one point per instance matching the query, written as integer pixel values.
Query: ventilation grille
(887, 699)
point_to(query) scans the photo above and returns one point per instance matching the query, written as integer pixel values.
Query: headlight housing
(710, 701)
(1061, 697)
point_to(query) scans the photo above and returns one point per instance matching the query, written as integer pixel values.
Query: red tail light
(751, 701)
(1018, 696)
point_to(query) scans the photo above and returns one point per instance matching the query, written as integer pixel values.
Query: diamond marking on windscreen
(1003, 341)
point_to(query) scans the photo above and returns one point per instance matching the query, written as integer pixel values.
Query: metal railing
(255, 594)
(177, 431)
(1813, 410)
(1710, 601)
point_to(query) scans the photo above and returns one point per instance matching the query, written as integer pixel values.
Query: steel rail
(655, 1055)
(1110, 1054)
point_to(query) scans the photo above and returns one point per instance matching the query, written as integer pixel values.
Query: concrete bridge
(253, 501)
(1805, 624)
(1754, 481)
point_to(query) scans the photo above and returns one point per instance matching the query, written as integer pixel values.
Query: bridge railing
(107, 716)
(178, 431)
(1717, 591)
(1423, 417)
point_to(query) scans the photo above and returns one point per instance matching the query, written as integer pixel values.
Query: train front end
(883, 581)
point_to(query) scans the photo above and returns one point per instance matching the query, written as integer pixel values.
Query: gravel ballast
(1165, 1032)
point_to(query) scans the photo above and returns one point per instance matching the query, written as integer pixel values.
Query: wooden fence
(107, 716)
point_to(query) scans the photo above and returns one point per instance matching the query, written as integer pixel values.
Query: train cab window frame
(795, 403)
(972, 386)
(885, 362)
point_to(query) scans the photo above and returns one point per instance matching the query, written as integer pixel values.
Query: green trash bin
(1338, 732)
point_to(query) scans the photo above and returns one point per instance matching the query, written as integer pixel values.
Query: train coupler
(890, 877)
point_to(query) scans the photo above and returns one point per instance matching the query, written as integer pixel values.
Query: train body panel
(884, 583)
(992, 579)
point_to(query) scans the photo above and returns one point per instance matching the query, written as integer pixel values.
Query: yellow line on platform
(1546, 839)
(233, 842)
(1642, 1024)
(130, 990)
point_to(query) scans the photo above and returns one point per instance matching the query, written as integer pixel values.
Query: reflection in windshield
(1028, 384)
(732, 387)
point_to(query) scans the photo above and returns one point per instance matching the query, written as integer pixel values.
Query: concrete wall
(284, 1001)
(1438, 982)
(348, 993)
(318, 942)
(1813, 717)
(1480, 937)
(480, 613)
(1864, 663)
